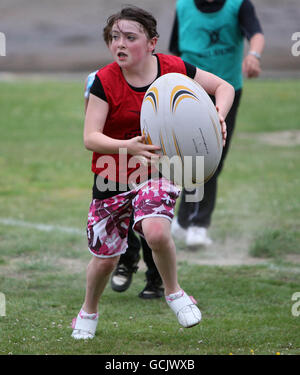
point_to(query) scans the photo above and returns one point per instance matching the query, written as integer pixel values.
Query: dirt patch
(228, 253)
(16, 268)
(293, 258)
(282, 138)
(286, 138)
(11, 268)
(72, 265)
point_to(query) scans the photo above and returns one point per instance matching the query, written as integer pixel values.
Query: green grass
(244, 309)
(269, 106)
(275, 243)
(45, 178)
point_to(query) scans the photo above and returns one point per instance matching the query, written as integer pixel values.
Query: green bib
(212, 41)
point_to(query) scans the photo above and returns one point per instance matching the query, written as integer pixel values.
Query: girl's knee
(105, 265)
(157, 234)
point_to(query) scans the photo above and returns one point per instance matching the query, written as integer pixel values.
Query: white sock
(84, 315)
(173, 296)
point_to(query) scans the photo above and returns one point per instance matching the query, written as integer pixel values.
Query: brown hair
(131, 13)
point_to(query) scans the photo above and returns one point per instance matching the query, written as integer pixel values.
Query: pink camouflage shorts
(108, 219)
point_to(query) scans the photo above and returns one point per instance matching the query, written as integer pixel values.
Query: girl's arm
(214, 85)
(95, 140)
(223, 92)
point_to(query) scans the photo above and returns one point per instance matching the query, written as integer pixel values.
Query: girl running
(112, 123)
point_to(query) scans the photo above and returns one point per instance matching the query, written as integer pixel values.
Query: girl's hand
(137, 147)
(223, 126)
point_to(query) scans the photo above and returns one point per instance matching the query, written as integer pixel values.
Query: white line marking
(41, 227)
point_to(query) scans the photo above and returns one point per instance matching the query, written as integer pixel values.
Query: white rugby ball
(178, 115)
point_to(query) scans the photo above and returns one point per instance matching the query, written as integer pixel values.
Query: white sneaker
(197, 236)
(185, 309)
(84, 325)
(177, 231)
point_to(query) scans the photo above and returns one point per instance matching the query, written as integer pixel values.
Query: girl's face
(130, 45)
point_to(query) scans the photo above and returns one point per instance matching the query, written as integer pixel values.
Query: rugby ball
(178, 115)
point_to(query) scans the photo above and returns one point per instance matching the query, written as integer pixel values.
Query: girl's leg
(98, 272)
(157, 232)
(102, 215)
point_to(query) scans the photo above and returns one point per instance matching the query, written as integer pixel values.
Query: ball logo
(176, 144)
(152, 97)
(178, 94)
(162, 144)
(145, 132)
(216, 131)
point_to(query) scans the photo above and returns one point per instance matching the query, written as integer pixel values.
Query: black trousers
(189, 213)
(199, 213)
(132, 255)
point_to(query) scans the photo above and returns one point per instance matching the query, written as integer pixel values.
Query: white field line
(41, 227)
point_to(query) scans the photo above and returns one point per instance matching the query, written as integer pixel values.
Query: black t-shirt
(248, 20)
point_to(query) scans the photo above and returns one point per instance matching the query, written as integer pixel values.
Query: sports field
(244, 283)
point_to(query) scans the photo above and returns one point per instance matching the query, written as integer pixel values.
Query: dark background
(66, 35)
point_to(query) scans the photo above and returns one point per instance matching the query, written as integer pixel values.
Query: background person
(210, 35)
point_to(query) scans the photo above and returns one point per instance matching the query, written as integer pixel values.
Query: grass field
(45, 183)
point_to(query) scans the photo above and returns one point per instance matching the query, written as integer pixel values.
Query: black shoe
(122, 276)
(153, 289)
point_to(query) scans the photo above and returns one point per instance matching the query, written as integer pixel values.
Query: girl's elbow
(230, 87)
(87, 143)
(232, 90)
(225, 86)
